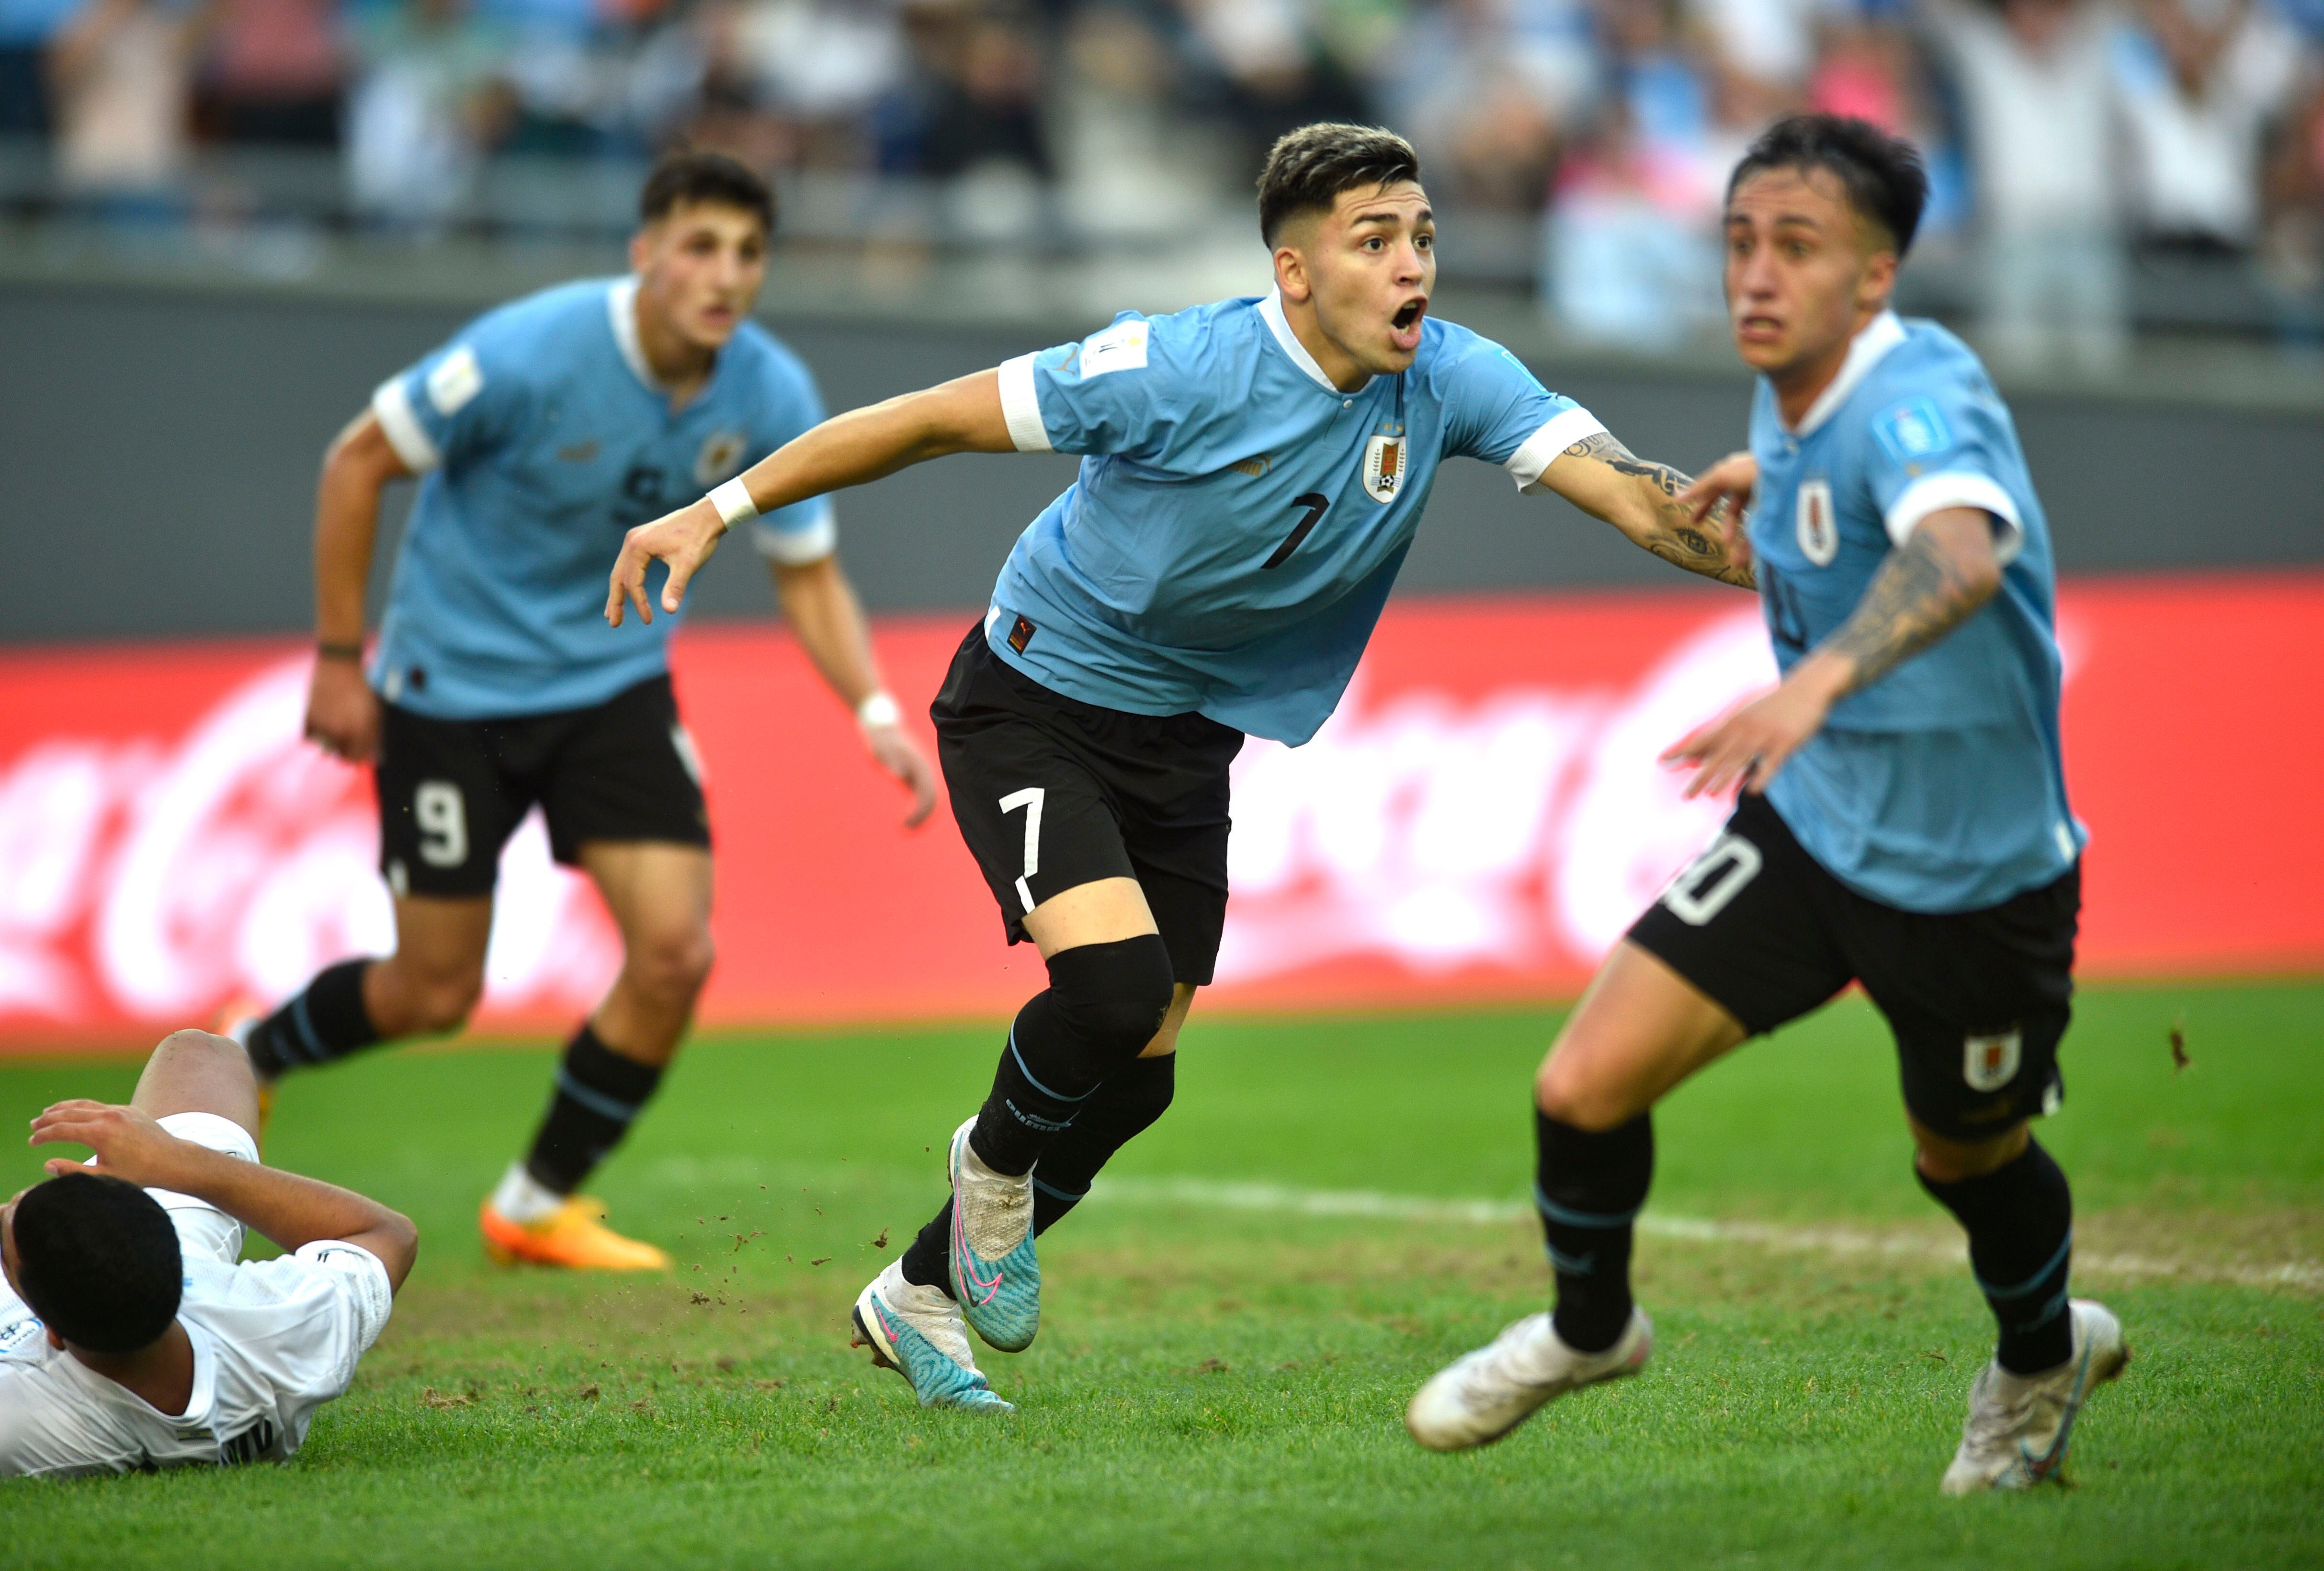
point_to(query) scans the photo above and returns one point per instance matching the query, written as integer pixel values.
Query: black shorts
(1051, 792)
(452, 792)
(1978, 1000)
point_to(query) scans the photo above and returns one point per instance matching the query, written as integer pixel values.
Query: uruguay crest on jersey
(1384, 465)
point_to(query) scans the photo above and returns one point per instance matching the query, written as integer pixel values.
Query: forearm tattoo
(1919, 595)
(1674, 535)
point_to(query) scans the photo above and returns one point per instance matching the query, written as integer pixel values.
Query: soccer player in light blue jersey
(1252, 473)
(1903, 821)
(543, 430)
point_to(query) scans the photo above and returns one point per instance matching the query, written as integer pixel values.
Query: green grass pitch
(1219, 1385)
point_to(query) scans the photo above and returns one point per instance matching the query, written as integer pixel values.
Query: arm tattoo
(1919, 595)
(1674, 535)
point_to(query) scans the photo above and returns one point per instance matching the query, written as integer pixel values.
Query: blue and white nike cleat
(916, 1332)
(994, 1274)
(2019, 1425)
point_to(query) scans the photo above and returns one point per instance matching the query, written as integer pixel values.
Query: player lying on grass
(129, 1336)
(545, 430)
(1252, 473)
(1903, 821)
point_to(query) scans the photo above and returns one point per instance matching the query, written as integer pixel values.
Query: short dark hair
(1883, 175)
(98, 1262)
(684, 177)
(1309, 168)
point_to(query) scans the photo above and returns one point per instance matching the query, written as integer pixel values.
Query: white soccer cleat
(917, 1332)
(996, 1273)
(2019, 1424)
(1478, 1399)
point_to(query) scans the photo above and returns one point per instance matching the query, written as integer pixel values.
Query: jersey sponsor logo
(1990, 1062)
(1255, 466)
(1120, 347)
(456, 379)
(721, 454)
(1913, 429)
(1384, 466)
(1818, 532)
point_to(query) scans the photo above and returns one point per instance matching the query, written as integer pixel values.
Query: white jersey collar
(1271, 309)
(622, 307)
(1867, 350)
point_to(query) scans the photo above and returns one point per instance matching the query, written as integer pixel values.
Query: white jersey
(273, 1341)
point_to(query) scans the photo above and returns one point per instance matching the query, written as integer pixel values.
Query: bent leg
(196, 1072)
(429, 984)
(1125, 1106)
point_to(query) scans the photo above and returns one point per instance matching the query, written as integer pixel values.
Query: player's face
(699, 269)
(1802, 272)
(1370, 265)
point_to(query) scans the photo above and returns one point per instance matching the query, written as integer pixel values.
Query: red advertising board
(1481, 820)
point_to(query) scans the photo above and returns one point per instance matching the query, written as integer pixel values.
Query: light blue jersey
(543, 437)
(1940, 787)
(1239, 520)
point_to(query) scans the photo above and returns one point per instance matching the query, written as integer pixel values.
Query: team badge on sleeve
(1912, 430)
(1120, 347)
(722, 452)
(1384, 466)
(1989, 1063)
(1818, 532)
(456, 379)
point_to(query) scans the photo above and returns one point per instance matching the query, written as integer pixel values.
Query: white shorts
(203, 1230)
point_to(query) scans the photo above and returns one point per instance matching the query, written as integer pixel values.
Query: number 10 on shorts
(1029, 798)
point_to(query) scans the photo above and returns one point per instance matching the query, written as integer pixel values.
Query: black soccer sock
(1588, 1187)
(599, 1093)
(1104, 1004)
(324, 1021)
(1123, 1108)
(1118, 1111)
(2020, 1220)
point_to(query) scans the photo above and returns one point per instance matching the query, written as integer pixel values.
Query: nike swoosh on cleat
(2041, 1467)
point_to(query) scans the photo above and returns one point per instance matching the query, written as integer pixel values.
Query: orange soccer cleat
(574, 1235)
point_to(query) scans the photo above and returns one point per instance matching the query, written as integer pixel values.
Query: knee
(1942, 1160)
(672, 964)
(1568, 1093)
(192, 1046)
(442, 1001)
(1114, 996)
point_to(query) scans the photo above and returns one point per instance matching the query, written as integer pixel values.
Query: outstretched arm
(1605, 479)
(821, 608)
(1946, 569)
(962, 416)
(291, 1210)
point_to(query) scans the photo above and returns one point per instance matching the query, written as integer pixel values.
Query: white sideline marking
(1843, 1241)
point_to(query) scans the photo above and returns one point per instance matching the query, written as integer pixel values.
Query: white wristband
(733, 500)
(879, 709)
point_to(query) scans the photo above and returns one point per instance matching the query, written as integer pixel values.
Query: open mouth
(1403, 320)
(1404, 327)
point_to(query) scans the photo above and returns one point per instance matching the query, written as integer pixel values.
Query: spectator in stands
(2036, 80)
(2292, 255)
(275, 72)
(27, 27)
(429, 102)
(123, 73)
(2203, 81)
(1129, 163)
(1488, 90)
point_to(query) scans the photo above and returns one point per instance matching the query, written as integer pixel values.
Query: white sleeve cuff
(1020, 406)
(392, 405)
(800, 544)
(1526, 464)
(1958, 489)
(362, 1278)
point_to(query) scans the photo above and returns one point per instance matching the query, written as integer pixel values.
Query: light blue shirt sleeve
(466, 398)
(1928, 451)
(805, 531)
(1128, 390)
(1497, 411)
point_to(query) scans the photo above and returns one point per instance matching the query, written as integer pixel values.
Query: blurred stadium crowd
(2079, 146)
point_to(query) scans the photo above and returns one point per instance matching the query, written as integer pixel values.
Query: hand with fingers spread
(684, 540)
(893, 749)
(1719, 496)
(1748, 745)
(128, 1143)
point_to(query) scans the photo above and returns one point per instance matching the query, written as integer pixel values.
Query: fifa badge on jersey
(1818, 532)
(1384, 466)
(1988, 1063)
(721, 454)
